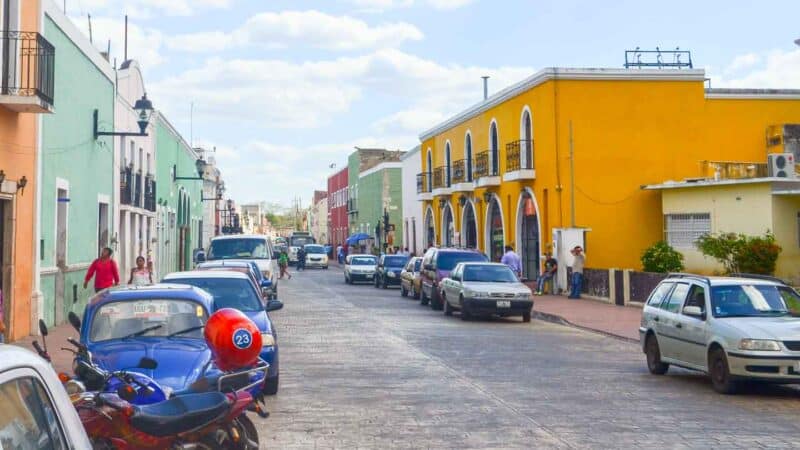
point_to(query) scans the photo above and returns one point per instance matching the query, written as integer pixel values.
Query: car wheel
(423, 298)
(465, 315)
(526, 317)
(720, 373)
(654, 364)
(271, 385)
(436, 300)
(325, 268)
(403, 291)
(448, 310)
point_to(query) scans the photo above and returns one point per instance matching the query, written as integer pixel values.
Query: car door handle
(678, 325)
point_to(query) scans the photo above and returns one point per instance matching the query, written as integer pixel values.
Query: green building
(179, 210)
(76, 185)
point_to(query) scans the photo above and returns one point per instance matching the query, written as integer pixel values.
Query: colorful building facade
(338, 227)
(559, 159)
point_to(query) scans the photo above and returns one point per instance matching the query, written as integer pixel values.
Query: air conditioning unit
(781, 165)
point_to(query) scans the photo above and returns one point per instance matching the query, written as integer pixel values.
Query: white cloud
(774, 69)
(743, 62)
(144, 44)
(147, 8)
(301, 28)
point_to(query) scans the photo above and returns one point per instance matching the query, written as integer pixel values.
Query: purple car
(436, 266)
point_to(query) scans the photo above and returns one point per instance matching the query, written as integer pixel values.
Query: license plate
(504, 304)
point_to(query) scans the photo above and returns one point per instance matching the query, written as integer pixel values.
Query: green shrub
(662, 258)
(742, 253)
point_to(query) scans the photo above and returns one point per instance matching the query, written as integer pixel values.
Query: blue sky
(285, 88)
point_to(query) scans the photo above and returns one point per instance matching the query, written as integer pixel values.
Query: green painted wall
(374, 189)
(181, 197)
(353, 162)
(70, 153)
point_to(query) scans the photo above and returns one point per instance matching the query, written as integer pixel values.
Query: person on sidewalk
(340, 254)
(549, 274)
(512, 260)
(104, 270)
(141, 274)
(301, 259)
(577, 272)
(283, 264)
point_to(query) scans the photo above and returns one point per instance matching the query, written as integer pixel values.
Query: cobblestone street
(366, 368)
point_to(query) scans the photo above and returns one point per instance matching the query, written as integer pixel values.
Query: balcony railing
(352, 206)
(483, 166)
(28, 65)
(460, 171)
(519, 155)
(438, 178)
(126, 186)
(137, 190)
(423, 183)
(150, 193)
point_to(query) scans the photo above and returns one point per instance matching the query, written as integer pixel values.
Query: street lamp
(220, 193)
(143, 108)
(200, 165)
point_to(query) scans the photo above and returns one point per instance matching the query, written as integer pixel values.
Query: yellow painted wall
(626, 133)
(785, 226)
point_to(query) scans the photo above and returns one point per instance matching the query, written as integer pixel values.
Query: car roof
(457, 250)
(226, 263)
(239, 236)
(728, 281)
(221, 274)
(361, 255)
(478, 263)
(12, 357)
(166, 290)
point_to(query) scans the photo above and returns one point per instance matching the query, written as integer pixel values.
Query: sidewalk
(56, 339)
(594, 315)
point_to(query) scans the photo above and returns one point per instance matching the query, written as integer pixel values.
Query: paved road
(365, 368)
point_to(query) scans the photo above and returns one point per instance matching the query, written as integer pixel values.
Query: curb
(553, 318)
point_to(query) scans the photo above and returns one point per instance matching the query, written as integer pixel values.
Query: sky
(286, 88)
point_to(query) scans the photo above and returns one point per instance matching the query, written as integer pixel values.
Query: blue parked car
(162, 322)
(230, 289)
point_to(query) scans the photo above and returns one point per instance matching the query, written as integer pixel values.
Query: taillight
(63, 377)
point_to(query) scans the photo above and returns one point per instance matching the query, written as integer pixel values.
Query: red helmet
(233, 338)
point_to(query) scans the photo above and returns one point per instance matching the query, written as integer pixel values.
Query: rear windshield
(245, 248)
(315, 249)
(395, 261)
(301, 241)
(233, 293)
(448, 260)
(489, 274)
(363, 261)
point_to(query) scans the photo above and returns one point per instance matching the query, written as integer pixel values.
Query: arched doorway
(448, 227)
(430, 230)
(528, 234)
(495, 232)
(469, 229)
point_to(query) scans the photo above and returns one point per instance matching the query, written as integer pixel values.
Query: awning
(353, 240)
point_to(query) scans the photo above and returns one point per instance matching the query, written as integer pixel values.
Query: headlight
(524, 295)
(759, 344)
(390, 274)
(267, 340)
(475, 294)
(74, 387)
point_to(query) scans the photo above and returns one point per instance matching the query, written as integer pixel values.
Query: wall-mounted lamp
(462, 200)
(22, 183)
(442, 203)
(220, 193)
(143, 108)
(2, 176)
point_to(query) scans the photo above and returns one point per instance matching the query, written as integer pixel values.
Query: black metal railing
(423, 183)
(137, 190)
(438, 177)
(519, 155)
(352, 206)
(150, 193)
(28, 65)
(484, 167)
(460, 171)
(126, 186)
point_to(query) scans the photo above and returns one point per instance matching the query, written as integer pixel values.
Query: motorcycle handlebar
(77, 344)
(40, 351)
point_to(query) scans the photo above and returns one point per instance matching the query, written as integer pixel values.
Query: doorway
(470, 227)
(102, 226)
(448, 230)
(495, 230)
(6, 269)
(529, 237)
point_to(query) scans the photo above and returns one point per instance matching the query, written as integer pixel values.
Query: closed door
(692, 330)
(530, 247)
(669, 327)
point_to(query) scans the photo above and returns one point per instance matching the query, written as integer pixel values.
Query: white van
(248, 247)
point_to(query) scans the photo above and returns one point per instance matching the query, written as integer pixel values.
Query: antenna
(126, 37)
(90, 27)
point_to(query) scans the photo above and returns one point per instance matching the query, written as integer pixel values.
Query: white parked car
(484, 289)
(360, 268)
(732, 328)
(316, 256)
(36, 411)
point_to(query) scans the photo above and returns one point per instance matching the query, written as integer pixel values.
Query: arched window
(493, 146)
(526, 136)
(468, 155)
(429, 170)
(447, 165)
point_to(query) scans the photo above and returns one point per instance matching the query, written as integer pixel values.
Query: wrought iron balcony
(438, 178)
(27, 68)
(137, 190)
(423, 183)
(519, 155)
(150, 193)
(460, 171)
(483, 168)
(126, 186)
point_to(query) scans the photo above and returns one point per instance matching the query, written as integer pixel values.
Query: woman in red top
(104, 270)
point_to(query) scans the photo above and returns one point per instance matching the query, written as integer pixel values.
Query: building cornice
(560, 73)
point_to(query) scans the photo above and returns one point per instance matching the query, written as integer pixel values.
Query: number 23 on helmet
(233, 338)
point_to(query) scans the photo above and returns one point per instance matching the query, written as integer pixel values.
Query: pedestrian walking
(512, 260)
(577, 272)
(141, 275)
(301, 259)
(283, 264)
(104, 270)
(549, 274)
(340, 254)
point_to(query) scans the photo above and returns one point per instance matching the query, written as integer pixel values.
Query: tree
(662, 258)
(742, 253)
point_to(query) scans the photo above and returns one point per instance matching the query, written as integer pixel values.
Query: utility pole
(571, 176)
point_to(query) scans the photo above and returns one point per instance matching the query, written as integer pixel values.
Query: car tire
(325, 268)
(436, 300)
(653, 353)
(465, 315)
(271, 385)
(424, 300)
(403, 291)
(719, 371)
(526, 317)
(448, 310)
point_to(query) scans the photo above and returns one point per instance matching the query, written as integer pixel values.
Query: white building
(135, 162)
(252, 218)
(412, 208)
(213, 191)
(318, 221)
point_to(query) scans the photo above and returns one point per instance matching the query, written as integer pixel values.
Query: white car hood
(779, 328)
(503, 288)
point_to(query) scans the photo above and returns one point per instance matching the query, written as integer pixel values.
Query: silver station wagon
(732, 328)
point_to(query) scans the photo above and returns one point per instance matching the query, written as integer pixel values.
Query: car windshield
(149, 318)
(301, 241)
(315, 249)
(417, 264)
(753, 300)
(448, 260)
(395, 261)
(489, 274)
(245, 248)
(363, 261)
(236, 293)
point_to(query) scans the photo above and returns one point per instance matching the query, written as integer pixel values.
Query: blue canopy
(352, 240)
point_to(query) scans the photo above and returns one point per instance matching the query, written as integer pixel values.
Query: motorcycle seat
(180, 414)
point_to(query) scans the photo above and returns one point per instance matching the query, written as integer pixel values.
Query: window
(676, 298)
(697, 297)
(659, 294)
(468, 157)
(29, 420)
(493, 143)
(447, 164)
(682, 230)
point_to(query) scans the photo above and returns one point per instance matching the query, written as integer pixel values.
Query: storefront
(469, 230)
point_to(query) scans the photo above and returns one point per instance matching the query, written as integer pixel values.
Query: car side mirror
(147, 363)
(200, 257)
(694, 311)
(74, 320)
(42, 328)
(274, 305)
(266, 284)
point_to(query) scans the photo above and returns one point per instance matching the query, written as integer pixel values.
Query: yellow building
(560, 159)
